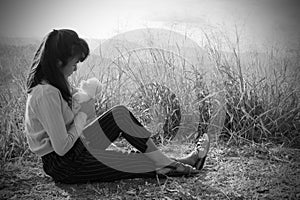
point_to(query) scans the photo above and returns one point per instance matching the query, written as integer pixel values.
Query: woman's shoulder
(41, 93)
(44, 91)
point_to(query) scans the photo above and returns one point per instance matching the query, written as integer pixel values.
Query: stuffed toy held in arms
(87, 90)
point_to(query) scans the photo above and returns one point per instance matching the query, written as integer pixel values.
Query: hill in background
(150, 38)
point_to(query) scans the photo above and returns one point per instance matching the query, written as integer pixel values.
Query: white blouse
(50, 124)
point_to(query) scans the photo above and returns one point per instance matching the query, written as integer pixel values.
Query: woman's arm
(49, 112)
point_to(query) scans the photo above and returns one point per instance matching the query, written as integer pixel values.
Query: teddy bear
(87, 90)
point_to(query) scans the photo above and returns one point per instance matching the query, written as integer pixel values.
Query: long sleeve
(80, 122)
(50, 114)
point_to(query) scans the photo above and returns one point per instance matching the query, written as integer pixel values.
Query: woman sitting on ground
(75, 152)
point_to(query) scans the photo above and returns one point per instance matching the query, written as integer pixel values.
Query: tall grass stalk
(262, 94)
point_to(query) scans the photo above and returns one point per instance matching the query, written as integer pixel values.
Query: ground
(245, 172)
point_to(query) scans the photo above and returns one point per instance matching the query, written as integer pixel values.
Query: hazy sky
(258, 20)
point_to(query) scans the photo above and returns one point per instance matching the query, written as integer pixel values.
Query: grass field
(249, 103)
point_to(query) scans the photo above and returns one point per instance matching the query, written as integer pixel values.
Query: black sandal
(174, 170)
(202, 147)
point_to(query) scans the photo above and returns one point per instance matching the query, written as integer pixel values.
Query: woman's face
(70, 67)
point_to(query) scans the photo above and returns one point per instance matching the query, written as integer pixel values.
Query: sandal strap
(186, 168)
(200, 144)
(202, 150)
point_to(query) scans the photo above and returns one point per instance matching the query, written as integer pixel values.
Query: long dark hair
(58, 46)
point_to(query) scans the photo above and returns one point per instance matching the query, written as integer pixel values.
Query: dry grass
(262, 96)
(251, 103)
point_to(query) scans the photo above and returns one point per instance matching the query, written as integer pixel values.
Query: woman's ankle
(190, 159)
(159, 159)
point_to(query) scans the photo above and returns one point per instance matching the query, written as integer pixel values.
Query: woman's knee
(122, 115)
(120, 108)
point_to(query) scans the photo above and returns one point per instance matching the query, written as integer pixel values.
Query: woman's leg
(80, 166)
(120, 121)
(95, 163)
(105, 166)
(139, 137)
(113, 123)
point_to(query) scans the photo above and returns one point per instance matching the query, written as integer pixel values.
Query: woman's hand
(88, 108)
(75, 106)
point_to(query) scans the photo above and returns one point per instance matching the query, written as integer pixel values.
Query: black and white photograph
(150, 99)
